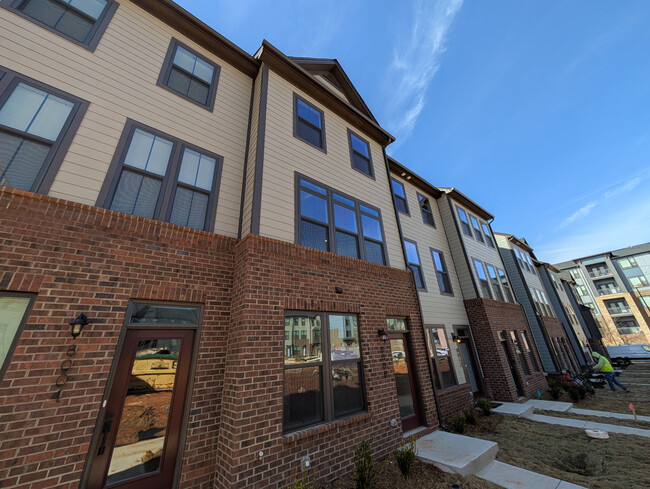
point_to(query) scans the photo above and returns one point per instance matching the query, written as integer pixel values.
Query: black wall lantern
(382, 334)
(77, 325)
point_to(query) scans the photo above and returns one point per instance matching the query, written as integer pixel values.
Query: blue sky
(537, 110)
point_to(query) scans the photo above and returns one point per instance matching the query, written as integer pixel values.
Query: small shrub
(470, 416)
(555, 388)
(484, 405)
(364, 466)
(457, 424)
(300, 482)
(405, 456)
(574, 393)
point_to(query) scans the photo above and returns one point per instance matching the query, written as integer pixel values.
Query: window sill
(295, 436)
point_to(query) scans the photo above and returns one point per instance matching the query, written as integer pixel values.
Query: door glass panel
(401, 369)
(143, 424)
(468, 364)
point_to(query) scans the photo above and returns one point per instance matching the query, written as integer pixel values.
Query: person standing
(606, 368)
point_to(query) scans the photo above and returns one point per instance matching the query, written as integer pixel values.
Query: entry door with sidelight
(141, 429)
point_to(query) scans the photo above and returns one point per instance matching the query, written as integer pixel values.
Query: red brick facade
(79, 258)
(561, 345)
(455, 400)
(487, 318)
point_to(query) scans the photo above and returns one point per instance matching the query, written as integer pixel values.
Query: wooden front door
(409, 409)
(139, 442)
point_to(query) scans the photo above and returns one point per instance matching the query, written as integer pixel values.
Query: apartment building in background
(614, 285)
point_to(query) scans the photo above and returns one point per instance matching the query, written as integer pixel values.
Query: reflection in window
(158, 314)
(309, 123)
(13, 309)
(413, 258)
(440, 355)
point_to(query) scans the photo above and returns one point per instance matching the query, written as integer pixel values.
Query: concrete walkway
(465, 456)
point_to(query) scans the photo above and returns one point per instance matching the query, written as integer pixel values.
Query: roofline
(396, 167)
(286, 67)
(467, 202)
(181, 20)
(520, 244)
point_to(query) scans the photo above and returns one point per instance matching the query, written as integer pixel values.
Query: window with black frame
(478, 234)
(425, 210)
(494, 280)
(441, 271)
(413, 258)
(482, 278)
(309, 123)
(400, 196)
(440, 356)
(464, 221)
(322, 368)
(360, 154)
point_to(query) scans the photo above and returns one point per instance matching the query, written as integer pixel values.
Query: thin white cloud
(626, 187)
(415, 62)
(579, 214)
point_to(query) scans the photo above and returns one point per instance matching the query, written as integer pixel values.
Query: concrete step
(512, 477)
(456, 454)
(514, 409)
(549, 405)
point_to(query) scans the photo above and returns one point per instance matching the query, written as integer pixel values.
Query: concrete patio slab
(574, 423)
(456, 454)
(514, 409)
(512, 477)
(550, 405)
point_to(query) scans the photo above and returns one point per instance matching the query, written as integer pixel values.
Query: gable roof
(458, 196)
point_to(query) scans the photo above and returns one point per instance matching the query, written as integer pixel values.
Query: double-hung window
(425, 209)
(308, 123)
(80, 21)
(440, 356)
(360, 154)
(494, 280)
(464, 221)
(482, 278)
(157, 176)
(190, 75)
(488, 236)
(441, 271)
(399, 193)
(323, 377)
(413, 258)
(331, 221)
(478, 234)
(37, 123)
(505, 285)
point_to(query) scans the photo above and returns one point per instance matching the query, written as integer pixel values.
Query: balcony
(601, 272)
(629, 330)
(609, 291)
(619, 310)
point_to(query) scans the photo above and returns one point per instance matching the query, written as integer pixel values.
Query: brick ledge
(323, 428)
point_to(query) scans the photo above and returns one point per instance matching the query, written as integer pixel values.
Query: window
(520, 355)
(308, 123)
(531, 355)
(331, 221)
(37, 123)
(575, 273)
(157, 176)
(14, 309)
(322, 387)
(505, 285)
(645, 300)
(478, 234)
(627, 263)
(530, 263)
(189, 75)
(487, 234)
(425, 209)
(494, 280)
(400, 196)
(617, 306)
(441, 271)
(482, 278)
(464, 222)
(638, 281)
(440, 356)
(413, 258)
(80, 21)
(627, 325)
(360, 154)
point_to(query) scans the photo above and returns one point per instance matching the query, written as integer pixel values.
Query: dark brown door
(511, 367)
(406, 393)
(471, 369)
(140, 435)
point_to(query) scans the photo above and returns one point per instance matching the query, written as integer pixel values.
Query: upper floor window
(80, 21)
(464, 221)
(494, 280)
(37, 123)
(360, 154)
(626, 263)
(331, 221)
(309, 123)
(157, 176)
(505, 285)
(441, 271)
(425, 209)
(400, 196)
(413, 258)
(190, 75)
(487, 234)
(482, 278)
(478, 234)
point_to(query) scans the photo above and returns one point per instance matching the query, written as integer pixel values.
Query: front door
(406, 393)
(470, 366)
(140, 435)
(511, 367)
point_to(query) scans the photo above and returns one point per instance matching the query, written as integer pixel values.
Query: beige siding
(331, 87)
(445, 205)
(252, 161)
(284, 154)
(119, 80)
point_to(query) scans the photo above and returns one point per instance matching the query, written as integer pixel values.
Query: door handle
(105, 430)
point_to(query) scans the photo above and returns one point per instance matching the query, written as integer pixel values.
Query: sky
(537, 110)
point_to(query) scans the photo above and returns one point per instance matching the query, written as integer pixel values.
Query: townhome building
(508, 365)
(614, 285)
(203, 278)
(553, 342)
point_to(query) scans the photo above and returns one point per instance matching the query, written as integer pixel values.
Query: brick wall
(554, 329)
(487, 317)
(454, 400)
(79, 258)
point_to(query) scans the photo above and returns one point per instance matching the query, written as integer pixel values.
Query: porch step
(514, 409)
(456, 454)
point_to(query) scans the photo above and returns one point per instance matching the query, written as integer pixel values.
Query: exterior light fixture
(338, 290)
(455, 338)
(77, 325)
(382, 334)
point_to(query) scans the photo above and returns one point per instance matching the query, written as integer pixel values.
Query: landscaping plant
(574, 393)
(470, 416)
(405, 456)
(364, 466)
(484, 405)
(555, 388)
(457, 424)
(300, 482)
